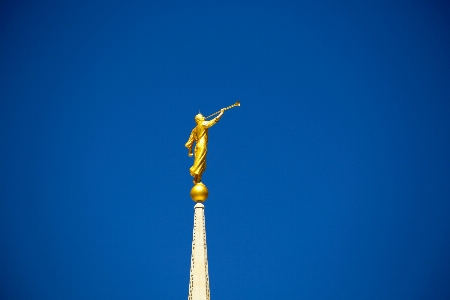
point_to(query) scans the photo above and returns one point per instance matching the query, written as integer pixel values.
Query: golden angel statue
(199, 135)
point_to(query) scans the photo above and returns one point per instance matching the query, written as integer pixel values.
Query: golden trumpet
(226, 108)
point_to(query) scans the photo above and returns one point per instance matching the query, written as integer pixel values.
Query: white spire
(199, 278)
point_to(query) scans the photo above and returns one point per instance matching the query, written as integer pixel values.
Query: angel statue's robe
(200, 135)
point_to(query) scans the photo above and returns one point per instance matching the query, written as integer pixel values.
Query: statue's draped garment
(199, 135)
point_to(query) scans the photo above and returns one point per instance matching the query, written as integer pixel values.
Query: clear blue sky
(331, 181)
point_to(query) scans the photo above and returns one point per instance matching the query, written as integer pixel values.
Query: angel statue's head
(199, 118)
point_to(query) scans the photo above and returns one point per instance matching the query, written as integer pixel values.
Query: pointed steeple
(199, 278)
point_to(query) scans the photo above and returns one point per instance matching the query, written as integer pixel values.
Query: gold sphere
(199, 192)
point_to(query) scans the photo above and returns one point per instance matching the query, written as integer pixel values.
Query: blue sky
(331, 181)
